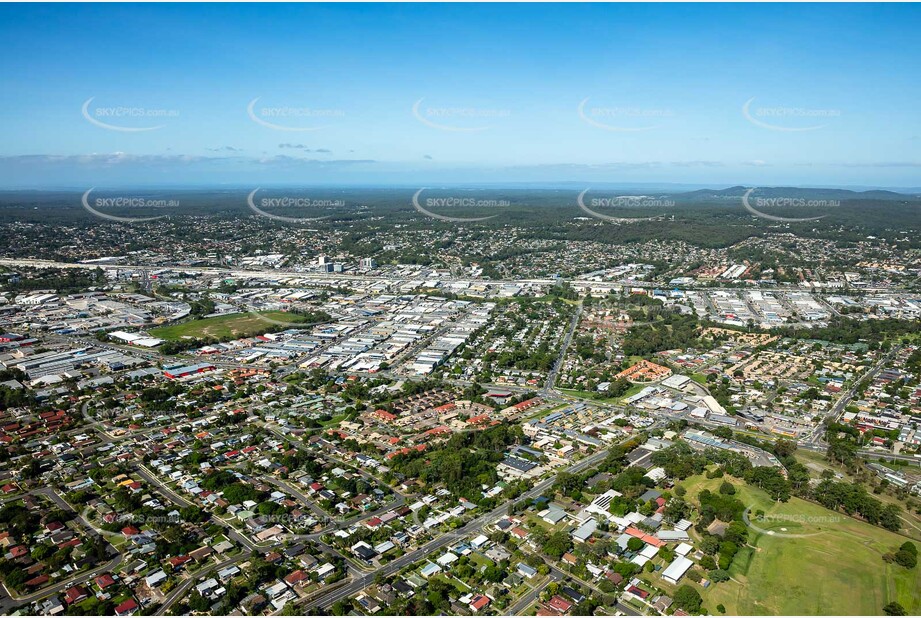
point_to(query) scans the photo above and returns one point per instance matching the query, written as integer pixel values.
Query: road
(306, 501)
(179, 592)
(360, 580)
(397, 502)
(275, 273)
(529, 597)
(10, 601)
(471, 528)
(231, 533)
(561, 357)
(152, 479)
(817, 436)
(179, 501)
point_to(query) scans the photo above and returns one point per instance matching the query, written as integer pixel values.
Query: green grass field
(816, 462)
(334, 421)
(225, 327)
(833, 566)
(590, 395)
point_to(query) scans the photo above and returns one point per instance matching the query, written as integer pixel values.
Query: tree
(737, 532)
(728, 550)
(558, 544)
(635, 544)
(676, 510)
(493, 573)
(687, 599)
(710, 544)
(770, 480)
(906, 559)
(889, 518)
(894, 609)
(198, 602)
(727, 489)
(719, 575)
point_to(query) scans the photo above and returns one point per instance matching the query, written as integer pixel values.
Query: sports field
(815, 562)
(225, 327)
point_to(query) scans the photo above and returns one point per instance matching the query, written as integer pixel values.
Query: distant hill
(736, 193)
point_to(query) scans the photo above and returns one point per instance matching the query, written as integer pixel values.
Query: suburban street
(471, 528)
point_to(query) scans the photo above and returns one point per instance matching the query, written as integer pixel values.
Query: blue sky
(502, 93)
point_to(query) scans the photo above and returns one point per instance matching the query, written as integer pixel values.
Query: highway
(275, 273)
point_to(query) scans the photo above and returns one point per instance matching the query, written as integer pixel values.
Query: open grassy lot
(225, 327)
(827, 563)
(590, 395)
(458, 585)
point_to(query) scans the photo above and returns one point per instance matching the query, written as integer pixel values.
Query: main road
(816, 438)
(472, 527)
(275, 273)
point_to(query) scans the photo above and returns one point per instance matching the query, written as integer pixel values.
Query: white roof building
(479, 541)
(676, 381)
(676, 569)
(601, 503)
(649, 551)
